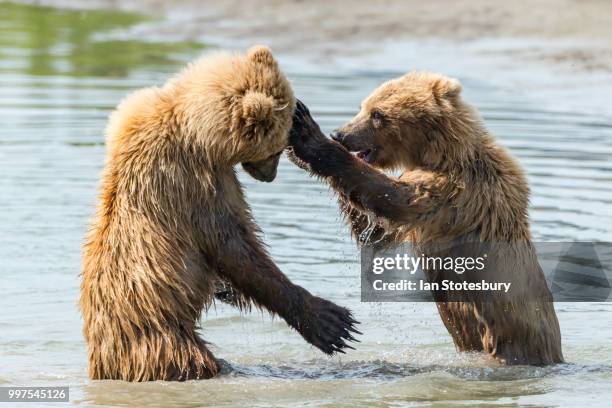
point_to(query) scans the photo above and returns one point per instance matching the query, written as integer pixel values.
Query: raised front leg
(249, 269)
(366, 188)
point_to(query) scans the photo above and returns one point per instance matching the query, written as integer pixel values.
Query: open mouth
(366, 155)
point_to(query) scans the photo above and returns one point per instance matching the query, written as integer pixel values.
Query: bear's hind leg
(152, 357)
(459, 320)
(523, 334)
(192, 360)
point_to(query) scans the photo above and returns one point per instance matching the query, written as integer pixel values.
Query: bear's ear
(257, 111)
(446, 87)
(261, 54)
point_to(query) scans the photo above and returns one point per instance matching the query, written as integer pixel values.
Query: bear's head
(417, 120)
(239, 107)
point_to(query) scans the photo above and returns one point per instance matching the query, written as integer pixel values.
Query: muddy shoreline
(577, 32)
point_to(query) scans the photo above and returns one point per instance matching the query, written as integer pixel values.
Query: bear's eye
(377, 115)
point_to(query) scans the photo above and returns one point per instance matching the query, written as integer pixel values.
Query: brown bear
(173, 221)
(457, 186)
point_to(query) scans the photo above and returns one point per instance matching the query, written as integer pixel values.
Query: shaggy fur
(458, 186)
(172, 222)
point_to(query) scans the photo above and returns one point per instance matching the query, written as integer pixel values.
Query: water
(60, 75)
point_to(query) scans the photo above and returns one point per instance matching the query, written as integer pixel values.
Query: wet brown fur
(172, 221)
(457, 185)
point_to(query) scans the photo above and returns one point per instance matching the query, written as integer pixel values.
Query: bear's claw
(328, 326)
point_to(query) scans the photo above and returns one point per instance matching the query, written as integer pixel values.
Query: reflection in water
(47, 41)
(61, 72)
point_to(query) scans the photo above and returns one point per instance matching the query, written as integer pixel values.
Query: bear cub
(458, 190)
(172, 222)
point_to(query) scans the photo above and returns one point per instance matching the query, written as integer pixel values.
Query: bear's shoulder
(137, 113)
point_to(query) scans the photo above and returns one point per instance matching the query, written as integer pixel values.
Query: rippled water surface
(60, 75)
